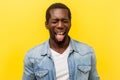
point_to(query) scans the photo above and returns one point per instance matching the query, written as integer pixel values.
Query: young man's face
(58, 25)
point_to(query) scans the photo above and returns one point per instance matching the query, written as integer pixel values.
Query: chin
(60, 42)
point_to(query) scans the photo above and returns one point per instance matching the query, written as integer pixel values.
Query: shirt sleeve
(28, 69)
(93, 73)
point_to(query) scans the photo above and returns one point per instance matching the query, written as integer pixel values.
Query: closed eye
(65, 20)
(54, 22)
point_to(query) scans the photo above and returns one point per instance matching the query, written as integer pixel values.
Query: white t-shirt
(61, 64)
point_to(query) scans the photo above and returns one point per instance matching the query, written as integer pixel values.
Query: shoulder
(82, 48)
(36, 51)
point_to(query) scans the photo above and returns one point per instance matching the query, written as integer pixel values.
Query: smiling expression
(58, 25)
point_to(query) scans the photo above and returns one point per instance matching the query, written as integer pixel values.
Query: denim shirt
(39, 65)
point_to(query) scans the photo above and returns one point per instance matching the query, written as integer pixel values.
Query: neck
(59, 47)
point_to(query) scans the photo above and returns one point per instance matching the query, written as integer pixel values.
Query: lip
(60, 32)
(59, 36)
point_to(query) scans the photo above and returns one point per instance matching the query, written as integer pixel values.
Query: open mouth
(60, 35)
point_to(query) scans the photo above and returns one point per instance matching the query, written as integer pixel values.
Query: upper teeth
(60, 33)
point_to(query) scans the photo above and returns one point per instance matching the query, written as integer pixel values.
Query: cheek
(51, 30)
(68, 28)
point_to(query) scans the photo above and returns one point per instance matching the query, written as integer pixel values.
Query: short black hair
(54, 6)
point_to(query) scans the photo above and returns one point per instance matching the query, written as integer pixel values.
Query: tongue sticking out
(59, 37)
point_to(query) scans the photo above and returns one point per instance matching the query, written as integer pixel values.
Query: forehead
(59, 13)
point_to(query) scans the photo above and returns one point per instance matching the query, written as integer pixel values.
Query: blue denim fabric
(38, 63)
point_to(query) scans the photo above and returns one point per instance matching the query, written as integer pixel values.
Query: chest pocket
(84, 69)
(83, 72)
(42, 75)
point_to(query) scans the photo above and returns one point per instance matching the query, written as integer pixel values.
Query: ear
(46, 25)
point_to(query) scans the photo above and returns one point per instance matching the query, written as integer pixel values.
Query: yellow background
(95, 22)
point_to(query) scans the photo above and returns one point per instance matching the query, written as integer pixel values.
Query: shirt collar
(46, 49)
(47, 52)
(73, 47)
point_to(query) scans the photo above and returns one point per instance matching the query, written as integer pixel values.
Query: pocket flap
(84, 69)
(41, 73)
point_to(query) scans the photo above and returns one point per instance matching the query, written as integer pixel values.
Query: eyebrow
(60, 19)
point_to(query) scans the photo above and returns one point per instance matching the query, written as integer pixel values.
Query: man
(60, 58)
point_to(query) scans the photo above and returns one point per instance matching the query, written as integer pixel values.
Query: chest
(79, 67)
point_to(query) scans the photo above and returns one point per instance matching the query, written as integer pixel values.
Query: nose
(60, 24)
